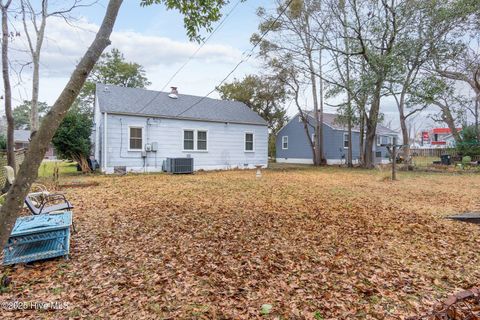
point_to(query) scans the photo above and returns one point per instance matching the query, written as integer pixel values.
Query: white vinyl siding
(225, 144)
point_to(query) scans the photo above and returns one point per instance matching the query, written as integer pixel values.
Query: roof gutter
(183, 118)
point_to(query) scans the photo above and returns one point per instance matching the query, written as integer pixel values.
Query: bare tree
(293, 38)
(6, 84)
(335, 38)
(371, 37)
(349, 110)
(288, 75)
(376, 27)
(35, 37)
(469, 75)
(441, 94)
(419, 43)
(40, 140)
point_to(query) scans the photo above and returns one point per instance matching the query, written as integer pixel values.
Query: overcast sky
(156, 39)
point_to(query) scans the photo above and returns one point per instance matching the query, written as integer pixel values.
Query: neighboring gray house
(22, 141)
(136, 129)
(292, 145)
(21, 138)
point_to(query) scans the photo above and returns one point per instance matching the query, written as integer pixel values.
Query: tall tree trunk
(347, 84)
(316, 158)
(362, 137)
(321, 151)
(403, 126)
(320, 116)
(7, 88)
(476, 79)
(350, 143)
(41, 139)
(35, 89)
(477, 107)
(405, 137)
(372, 121)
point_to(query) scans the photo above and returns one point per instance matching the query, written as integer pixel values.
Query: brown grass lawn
(322, 243)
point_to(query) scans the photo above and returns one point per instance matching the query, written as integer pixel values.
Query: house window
(195, 140)
(285, 142)
(201, 140)
(345, 140)
(383, 140)
(136, 137)
(248, 141)
(188, 140)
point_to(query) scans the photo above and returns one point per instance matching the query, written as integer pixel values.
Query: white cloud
(151, 51)
(65, 43)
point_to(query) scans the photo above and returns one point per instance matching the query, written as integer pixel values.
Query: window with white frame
(248, 141)
(383, 140)
(345, 140)
(202, 140)
(135, 137)
(188, 139)
(285, 142)
(195, 140)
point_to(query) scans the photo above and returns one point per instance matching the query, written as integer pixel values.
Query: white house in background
(137, 129)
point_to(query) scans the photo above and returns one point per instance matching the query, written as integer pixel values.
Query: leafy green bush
(470, 146)
(466, 160)
(72, 139)
(3, 142)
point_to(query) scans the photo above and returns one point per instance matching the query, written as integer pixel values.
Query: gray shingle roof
(330, 120)
(114, 99)
(21, 135)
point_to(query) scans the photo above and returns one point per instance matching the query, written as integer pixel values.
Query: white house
(137, 129)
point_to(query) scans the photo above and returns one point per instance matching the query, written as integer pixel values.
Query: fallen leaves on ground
(296, 244)
(459, 306)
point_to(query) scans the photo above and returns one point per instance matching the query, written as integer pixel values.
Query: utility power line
(193, 55)
(246, 55)
(201, 46)
(250, 53)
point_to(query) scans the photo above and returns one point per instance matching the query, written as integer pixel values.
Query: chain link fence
(433, 156)
(19, 156)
